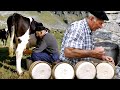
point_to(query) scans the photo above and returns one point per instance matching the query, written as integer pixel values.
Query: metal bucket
(111, 49)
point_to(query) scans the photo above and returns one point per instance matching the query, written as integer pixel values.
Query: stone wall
(70, 16)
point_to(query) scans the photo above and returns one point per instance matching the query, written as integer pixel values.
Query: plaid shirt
(78, 35)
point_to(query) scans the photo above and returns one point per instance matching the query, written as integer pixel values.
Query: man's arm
(40, 47)
(98, 53)
(78, 53)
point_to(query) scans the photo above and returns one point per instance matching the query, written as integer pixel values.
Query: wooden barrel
(85, 70)
(40, 70)
(105, 70)
(63, 70)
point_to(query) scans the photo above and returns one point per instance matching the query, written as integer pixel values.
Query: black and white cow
(4, 35)
(20, 29)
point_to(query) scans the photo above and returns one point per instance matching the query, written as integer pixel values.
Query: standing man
(77, 42)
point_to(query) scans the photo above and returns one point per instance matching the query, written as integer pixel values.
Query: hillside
(50, 19)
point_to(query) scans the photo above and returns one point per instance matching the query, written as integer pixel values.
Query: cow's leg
(19, 54)
(11, 43)
(19, 51)
(3, 41)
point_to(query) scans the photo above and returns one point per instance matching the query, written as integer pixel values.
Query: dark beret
(99, 14)
(40, 28)
(39, 24)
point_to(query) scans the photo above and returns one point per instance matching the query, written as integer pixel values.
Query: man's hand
(27, 52)
(109, 59)
(99, 52)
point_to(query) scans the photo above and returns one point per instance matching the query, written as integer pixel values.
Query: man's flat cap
(40, 28)
(99, 14)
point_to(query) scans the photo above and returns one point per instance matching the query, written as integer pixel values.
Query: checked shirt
(78, 35)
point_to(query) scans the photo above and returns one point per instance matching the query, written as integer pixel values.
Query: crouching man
(46, 48)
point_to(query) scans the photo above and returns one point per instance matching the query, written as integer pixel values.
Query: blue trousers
(43, 56)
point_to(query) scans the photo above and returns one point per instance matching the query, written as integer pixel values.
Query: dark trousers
(43, 56)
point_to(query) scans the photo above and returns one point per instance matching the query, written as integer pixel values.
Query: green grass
(8, 64)
(58, 36)
(49, 18)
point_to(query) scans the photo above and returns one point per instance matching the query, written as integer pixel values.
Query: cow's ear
(33, 20)
(32, 26)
